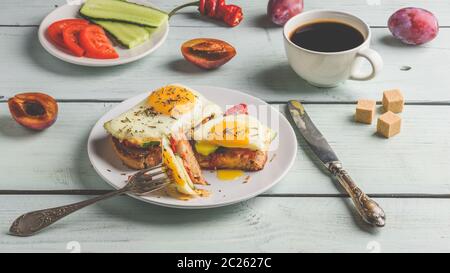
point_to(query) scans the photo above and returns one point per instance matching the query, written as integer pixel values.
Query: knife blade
(368, 209)
(311, 134)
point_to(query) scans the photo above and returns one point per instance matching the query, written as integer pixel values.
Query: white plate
(125, 55)
(111, 169)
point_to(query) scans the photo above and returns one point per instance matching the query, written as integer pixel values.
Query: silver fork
(140, 183)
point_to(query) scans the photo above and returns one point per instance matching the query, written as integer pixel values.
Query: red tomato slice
(173, 144)
(54, 31)
(71, 34)
(97, 45)
(237, 109)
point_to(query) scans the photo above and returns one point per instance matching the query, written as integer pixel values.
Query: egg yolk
(229, 134)
(229, 174)
(172, 101)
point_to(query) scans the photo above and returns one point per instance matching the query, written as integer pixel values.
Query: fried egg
(170, 108)
(234, 131)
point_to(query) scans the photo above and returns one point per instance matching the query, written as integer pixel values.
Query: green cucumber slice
(150, 144)
(128, 35)
(121, 11)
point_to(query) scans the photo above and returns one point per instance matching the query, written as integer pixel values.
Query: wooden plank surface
(263, 72)
(263, 224)
(413, 162)
(375, 12)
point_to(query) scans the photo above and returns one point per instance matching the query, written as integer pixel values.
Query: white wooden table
(409, 175)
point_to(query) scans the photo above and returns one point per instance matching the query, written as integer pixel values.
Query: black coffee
(327, 36)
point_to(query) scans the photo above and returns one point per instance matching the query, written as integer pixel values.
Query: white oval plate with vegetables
(152, 41)
(280, 158)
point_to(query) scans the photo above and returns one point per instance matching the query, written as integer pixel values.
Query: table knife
(369, 210)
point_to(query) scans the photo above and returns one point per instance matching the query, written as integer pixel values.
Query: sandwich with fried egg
(136, 135)
(234, 141)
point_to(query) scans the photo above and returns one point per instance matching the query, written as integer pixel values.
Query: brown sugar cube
(389, 124)
(365, 111)
(393, 100)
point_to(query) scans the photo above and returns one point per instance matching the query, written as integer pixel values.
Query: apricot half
(207, 53)
(36, 111)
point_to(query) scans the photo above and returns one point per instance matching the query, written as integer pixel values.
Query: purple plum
(280, 11)
(413, 26)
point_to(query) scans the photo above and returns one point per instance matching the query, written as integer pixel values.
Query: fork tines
(152, 171)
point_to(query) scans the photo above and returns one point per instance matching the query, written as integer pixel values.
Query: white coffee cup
(328, 69)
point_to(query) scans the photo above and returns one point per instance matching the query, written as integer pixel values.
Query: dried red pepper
(233, 15)
(230, 14)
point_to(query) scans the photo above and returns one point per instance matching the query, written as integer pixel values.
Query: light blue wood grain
(260, 68)
(375, 12)
(259, 225)
(416, 161)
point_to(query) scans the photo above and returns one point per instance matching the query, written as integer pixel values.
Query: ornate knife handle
(369, 210)
(29, 223)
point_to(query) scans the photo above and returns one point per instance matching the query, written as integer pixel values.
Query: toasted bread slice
(137, 158)
(141, 158)
(233, 158)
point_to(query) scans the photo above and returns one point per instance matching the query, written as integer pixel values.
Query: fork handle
(369, 210)
(29, 223)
